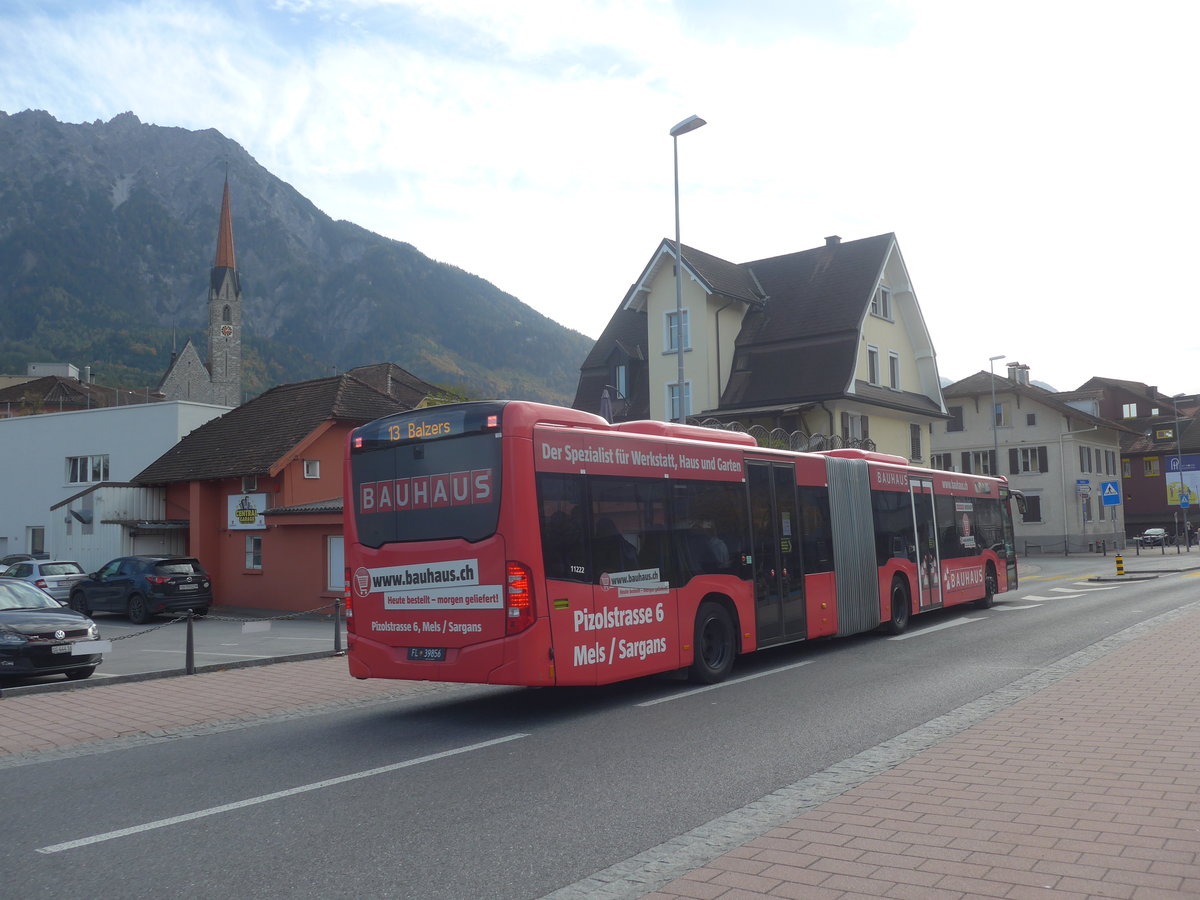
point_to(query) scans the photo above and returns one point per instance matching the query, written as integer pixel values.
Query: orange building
(260, 488)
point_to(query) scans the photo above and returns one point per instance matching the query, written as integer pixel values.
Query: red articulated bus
(520, 543)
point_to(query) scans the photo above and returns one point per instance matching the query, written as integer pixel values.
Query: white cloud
(1030, 156)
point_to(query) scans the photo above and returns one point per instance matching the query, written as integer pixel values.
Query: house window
(249, 484)
(673, 400)
(1028, 459)
(312, 468)
(1002, 414)
(226, 315)
(87, 469)
(873, 365)
(335, 564)
(35, 537)
(978, 462)
(1031, 419)
(894, 370)
(956, 418)
(854, 427)
(1164, 434)
(914, 439)
(1129, 411)
(676, 325)
(1033, 508)
(621, 380)
(1085, 459)
(1150, 466)
(944, 461)
(1126, 468)
(881, 303)
(253, 552)
(1110, 462)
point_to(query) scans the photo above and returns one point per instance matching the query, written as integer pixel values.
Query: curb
(59, 686)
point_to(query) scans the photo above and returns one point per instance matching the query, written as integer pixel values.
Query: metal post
(691, 123)
(190, 655)
(337, 627)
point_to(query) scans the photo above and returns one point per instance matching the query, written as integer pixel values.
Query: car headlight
(93, 632)
(11, 637)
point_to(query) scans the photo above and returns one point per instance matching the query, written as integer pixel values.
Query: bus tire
(901, 608)
(989, 598)
(715, 644)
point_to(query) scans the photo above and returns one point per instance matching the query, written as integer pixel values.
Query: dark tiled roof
(625, 337)
(252, 438)
(52, 392)
(389, 378)
(980, 384)
(799, 339)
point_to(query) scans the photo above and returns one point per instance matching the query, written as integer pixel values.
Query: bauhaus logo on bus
(427, 492)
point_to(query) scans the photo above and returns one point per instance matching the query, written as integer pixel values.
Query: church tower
(225, 315)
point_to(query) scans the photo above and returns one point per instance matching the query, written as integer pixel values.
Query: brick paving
(1086, 787)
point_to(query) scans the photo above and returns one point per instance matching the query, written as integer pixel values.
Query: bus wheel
(901, 608)
(714, 644)
(986, 601)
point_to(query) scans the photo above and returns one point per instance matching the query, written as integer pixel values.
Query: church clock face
(227, 330)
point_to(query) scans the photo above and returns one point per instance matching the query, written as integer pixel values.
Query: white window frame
(881, 303)
(1128, 410)
(893, 370)
(335, 563)
(670, 334)
(312, 468)
(254, 552)
(872, 364)
(249, 484)
(981, 462)
(672, 399)
(91, 469)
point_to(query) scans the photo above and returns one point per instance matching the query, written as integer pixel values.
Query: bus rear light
(520, 611)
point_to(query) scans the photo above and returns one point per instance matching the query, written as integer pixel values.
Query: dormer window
(881, 303)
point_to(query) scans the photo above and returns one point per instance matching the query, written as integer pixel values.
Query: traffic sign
(1109, 493)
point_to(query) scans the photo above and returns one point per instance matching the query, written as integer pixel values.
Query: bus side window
(564, 547)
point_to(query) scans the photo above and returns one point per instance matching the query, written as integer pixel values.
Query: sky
(1035, 158)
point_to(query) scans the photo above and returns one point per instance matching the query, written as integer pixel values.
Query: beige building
(827, 345)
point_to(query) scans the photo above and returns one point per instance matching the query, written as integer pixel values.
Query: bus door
(929, 559)
(776, 542)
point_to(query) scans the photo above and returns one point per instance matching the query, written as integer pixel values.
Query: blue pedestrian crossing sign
(1109, 493)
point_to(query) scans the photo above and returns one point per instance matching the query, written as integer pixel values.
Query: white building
(1064, 459)
(85, 457)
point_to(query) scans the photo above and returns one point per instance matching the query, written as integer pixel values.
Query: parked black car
(37, 634)
(144, 586)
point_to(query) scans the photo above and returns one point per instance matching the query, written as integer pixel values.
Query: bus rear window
(447, 488)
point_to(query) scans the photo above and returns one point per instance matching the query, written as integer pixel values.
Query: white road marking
(1004, 607)
(731, 681)
(1036, 597)
(266, 798)
(932, 628)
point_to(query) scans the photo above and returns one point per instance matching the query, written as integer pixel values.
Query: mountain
(107, 234)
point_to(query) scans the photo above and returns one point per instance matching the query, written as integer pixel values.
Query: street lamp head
(994, 358)
(691, 123)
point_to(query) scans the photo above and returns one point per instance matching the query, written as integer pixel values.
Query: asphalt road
(472, 792)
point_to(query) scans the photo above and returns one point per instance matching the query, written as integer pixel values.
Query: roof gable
(251, 439)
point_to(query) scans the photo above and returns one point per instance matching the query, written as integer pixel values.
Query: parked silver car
(56, 577)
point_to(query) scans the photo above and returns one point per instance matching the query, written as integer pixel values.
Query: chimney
(87, 374)
(833, 240)
(1018, 372)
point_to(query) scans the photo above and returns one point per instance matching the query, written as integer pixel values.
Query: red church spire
(225, 257)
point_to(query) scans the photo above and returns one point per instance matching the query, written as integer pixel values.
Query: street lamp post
(1179, 458)
(995, 434)
(691, 123)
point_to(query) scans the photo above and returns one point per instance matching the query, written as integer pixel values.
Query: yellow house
(828, 345)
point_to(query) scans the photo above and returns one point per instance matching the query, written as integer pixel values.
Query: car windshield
(62, 568)
(179, 567)
(19, 595)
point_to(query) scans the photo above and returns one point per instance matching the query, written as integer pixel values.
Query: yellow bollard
(1120, 565)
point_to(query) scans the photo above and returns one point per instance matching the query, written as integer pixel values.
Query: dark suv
(144, 586)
